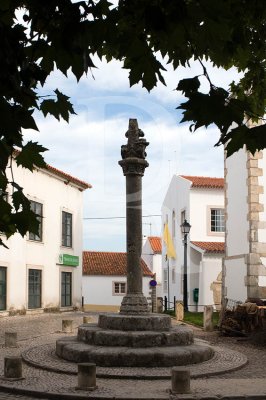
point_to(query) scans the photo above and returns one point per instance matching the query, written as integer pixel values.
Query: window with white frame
(119, 288)
(66, 229)
(217, 220)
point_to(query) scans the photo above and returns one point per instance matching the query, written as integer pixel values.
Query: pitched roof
(156, 244)
(62, 174)
(210, 247)
(205, 182)
(68, 177)
(108, 263)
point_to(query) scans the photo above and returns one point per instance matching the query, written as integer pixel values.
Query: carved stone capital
(133, 166)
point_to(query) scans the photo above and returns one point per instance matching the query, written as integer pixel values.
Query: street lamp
(185, 228)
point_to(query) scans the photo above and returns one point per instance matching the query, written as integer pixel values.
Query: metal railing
(169, 305)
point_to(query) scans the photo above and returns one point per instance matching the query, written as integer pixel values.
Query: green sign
(67, 259)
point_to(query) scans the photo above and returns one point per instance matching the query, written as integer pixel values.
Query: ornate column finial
(133, 153)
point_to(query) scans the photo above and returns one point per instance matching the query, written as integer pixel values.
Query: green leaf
(26, 119)
(253, 138)
(58, 108)
(18, 199)
(30, 156)
(189, 85)
(25, 221)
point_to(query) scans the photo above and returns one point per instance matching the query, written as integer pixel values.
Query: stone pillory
(133, 164)
(134, 337)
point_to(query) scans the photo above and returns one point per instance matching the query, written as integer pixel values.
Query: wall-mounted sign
(153, 282)
(67, 259)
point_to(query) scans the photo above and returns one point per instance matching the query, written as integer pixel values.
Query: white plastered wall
(201, 201)
(177, 199)
(211, 268)
(98, 290)
(56, 196)
(237, 226)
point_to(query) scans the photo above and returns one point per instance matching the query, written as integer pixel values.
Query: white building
(199, 200)
(44, 271)
(152, 255)
(245, 259)
(104, 280)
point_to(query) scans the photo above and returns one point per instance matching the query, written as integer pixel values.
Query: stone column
(133, 163)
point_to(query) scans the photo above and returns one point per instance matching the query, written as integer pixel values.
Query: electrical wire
(143, 216)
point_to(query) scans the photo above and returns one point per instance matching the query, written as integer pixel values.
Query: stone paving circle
(224, 360)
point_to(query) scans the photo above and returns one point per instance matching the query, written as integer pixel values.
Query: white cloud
(89, 146)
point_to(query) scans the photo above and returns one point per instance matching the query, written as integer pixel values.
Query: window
(34, 288)
(66, 289)
(119, 288)
(217, 220)
(173, 275)
(165, 280)
(2, 288)
(173, 224)
(3, 198)
(182, 218)
(37, 209)
(66, 229)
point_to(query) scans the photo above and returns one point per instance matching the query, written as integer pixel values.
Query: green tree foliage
(65, 34)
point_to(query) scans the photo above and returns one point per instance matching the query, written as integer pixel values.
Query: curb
(210, 397)
(89, 395)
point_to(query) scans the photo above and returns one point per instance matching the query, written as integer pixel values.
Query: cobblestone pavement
(35, 330)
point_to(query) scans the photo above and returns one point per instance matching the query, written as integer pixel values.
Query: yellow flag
(170, 250)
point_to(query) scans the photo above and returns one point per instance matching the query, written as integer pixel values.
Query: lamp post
(185, 227)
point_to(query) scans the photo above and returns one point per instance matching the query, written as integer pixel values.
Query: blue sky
(89, 146)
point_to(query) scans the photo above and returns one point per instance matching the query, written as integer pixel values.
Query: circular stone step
(75, 351)
(224, 361)
(146, 322)
(93, 335)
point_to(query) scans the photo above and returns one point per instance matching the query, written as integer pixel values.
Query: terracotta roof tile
(108, 263)
(205, 181)
(62, 174)
(210, 247)
(156, 244)
(68, 177)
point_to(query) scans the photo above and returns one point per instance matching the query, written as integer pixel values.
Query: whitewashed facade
(44, 272)
(152, 255)
(198, 200)
(244, 272)
(104, 280)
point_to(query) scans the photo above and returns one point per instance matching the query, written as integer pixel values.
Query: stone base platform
(109, 356)
(92, 334)
(133, 340)
(135, 322)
